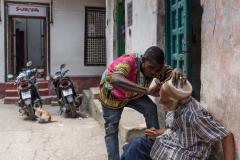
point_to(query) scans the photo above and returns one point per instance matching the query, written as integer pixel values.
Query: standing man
(126, 82)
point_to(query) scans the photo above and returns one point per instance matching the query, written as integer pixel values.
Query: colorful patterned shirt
(127, 65)
(190, 135)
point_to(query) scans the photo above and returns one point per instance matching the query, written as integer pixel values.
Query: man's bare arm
(228, 146)
(124, 84)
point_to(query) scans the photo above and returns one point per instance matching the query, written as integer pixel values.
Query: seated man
(190, 131)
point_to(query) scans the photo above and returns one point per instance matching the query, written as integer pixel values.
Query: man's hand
(151, 133)
(154, 91)
(177, 75)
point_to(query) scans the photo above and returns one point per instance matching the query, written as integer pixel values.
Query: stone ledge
(131, 125)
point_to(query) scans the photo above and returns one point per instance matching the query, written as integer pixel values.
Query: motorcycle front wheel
(31, 112)
(73, 109)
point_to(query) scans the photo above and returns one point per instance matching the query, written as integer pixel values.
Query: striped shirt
(191, 132)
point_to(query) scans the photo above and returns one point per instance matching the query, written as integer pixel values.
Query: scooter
(27, 91)
(68, 100)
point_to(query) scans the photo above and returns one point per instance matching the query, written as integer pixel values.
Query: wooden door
(178, 45)
(19, 50)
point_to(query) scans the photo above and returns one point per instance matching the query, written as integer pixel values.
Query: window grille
(129, 13)
(95, 39)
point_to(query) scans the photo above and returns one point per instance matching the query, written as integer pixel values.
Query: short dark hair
(155, 53)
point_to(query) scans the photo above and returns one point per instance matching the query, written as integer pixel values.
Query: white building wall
(2, 51)
(140, 35)
(66, 37)
(110, 31)
(143, 32)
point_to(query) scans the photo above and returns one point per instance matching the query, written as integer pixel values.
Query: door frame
(8, 36)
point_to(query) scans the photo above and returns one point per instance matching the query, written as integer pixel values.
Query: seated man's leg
(137, 149)
(146, 106)
(112, 118)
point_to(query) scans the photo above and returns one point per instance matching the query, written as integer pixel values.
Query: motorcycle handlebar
(65, 72)
(33, 70)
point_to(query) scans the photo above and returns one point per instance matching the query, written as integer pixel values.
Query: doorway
(27, 44)
(183, 39)
(120, 27)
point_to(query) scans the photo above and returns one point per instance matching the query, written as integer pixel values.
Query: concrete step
(10, 85)
(41, 85)
(12, 97)
(97, 111)
(11, 93)
(85, 100)
(93, 94)
(14, 100)
(11, 100)
(14, 92)
(132, 123)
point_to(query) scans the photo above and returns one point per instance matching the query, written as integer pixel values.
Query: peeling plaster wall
(111, 50)
(143, 32)
(220, 72)
(160, 43)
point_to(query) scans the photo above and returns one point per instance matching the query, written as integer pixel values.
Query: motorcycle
(68, 100)
(27, 91)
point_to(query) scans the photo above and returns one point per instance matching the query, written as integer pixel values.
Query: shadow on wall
(196, 19)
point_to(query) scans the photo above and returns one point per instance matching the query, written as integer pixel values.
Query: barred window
(129, 13)
(95, 39)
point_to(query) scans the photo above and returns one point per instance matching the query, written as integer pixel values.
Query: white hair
(171, 98)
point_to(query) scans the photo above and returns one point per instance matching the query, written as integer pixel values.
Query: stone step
(12, 97)
(97, 112)
(85, 100)
(14, 100)
(41, 85)
(14, 92)
(132, 123)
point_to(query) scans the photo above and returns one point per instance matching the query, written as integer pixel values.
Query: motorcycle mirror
(62, 66)
(29, 63)
(10, 76)
(34, 70)
(47, 78)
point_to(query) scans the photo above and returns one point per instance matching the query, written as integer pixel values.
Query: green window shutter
(178, 44)
(120, 23)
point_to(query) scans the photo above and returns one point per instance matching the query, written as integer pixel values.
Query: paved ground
(71, 138)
